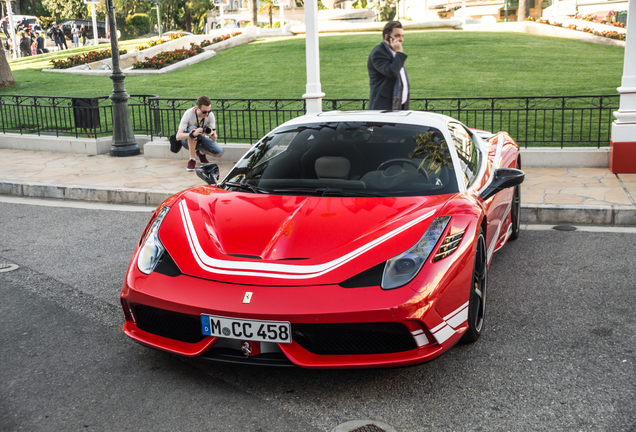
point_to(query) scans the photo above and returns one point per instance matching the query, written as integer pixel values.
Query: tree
(254, 13)
(268, 6)
(6, 76)
(67, 8)
(522, 11)
(197, 11)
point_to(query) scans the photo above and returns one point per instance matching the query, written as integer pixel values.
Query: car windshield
(347, 159)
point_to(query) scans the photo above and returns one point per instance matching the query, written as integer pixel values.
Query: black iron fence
(563, 121)
(70, 116)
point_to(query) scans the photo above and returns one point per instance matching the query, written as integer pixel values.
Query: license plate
(244, 329)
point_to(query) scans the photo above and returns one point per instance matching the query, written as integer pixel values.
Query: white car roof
(407, 117)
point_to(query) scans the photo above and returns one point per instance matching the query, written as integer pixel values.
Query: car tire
(478, 289)
(515, 212)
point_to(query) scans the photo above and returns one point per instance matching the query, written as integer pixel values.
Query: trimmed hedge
(137, 25)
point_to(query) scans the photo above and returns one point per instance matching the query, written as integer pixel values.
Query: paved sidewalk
(549, 195)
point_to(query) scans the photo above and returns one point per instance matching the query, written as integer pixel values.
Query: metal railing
(532, 121)
(69, 116)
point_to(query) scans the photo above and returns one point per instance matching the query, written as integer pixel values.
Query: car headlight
(152, 249)
(401, 269)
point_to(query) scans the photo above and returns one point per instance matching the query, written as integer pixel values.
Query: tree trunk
(188, 22)
(6, 76)
(254, 13)
(522, 11)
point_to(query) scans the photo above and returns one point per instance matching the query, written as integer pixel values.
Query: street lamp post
(94, 19)
(314, 93)
(158, 5)
(158, 19)
(123, 143)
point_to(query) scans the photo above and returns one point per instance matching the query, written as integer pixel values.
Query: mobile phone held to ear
(388, 39)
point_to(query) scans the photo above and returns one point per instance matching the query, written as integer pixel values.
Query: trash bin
(86, 112)
(622, 17)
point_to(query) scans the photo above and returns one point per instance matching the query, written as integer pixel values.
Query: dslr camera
(206, 130)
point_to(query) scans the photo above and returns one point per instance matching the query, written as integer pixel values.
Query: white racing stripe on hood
(272, 270)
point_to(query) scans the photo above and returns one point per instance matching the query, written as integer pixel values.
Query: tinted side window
(469, 155)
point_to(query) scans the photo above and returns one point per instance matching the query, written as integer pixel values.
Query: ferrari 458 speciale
(340, 240)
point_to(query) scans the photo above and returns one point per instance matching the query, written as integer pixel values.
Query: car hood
(258, 239)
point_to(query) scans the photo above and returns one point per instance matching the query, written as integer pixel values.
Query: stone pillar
(623, 142)
(314, 93)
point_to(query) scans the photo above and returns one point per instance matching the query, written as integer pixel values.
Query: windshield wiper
(327, 191)
(349, 193)
(245, 186)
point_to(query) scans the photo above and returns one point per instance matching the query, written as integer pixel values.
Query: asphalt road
(557, 353)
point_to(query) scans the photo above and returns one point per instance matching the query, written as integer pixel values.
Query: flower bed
(226, 37)
(167, 58)
(80, 59)
(155, 42)
(175, 36)
(612, 34)
(594, 18)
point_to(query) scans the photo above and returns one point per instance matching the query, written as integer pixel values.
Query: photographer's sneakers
(202, 157)
(191, 165)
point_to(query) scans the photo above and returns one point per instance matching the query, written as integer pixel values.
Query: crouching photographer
(197, 132)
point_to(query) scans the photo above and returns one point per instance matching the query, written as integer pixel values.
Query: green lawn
(440, 64)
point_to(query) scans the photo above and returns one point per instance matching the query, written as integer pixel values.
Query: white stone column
(314, 93)
(14, 42)
(95, 29)
(623, 142)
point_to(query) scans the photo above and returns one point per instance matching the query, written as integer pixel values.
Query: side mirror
(504, 178)
(209, 173)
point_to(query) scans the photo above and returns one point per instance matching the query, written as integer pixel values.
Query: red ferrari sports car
(340, 240)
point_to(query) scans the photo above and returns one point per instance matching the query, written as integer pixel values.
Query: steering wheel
(390, 162)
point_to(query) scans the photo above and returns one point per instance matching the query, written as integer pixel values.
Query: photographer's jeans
(205, 143)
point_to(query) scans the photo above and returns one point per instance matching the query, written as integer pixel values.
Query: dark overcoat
(384, 77)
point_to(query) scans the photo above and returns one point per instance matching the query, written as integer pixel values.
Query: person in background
(8, 46)
(60, 36)
(54, 35)
(197, 132)
(389, 88)
(25, 44)
(40, 44)
(5, 27)
(75, 34)
(83, 34)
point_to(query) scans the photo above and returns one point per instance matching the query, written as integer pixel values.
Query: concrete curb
(530, 213)
(551, 214)
(99, 194)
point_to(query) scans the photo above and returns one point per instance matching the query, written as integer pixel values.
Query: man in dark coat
(5, 26)
(58, 36)
(25, 45)
(40, 40)
(388, 81)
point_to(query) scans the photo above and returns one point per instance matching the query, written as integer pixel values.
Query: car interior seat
(327, 144)
(332, 167)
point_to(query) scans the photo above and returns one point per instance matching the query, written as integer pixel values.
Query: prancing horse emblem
(248, 297)
(246, 349)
